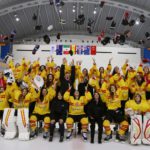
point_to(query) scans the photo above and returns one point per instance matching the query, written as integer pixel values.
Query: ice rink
(73, 144)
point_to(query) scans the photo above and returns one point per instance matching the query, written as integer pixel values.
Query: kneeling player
(3, 104)
(76, 111)
(58, 114)
(138, 110)
(21, 101)
(114, 114)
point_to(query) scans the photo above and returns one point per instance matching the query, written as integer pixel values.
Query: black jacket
(96, 110)
(59, 107)
(65, 83)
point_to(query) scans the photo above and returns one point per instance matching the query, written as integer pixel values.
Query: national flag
(66, 49)
(87, 50)
(93, 50)
(52, 49)
(59, 50)
(73, 48)
(79, 50)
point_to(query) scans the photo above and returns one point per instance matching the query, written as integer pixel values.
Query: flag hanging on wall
(52, 49)
(79, 50)
(73, 48)
(87, 50)
(93, 50)
(59, 49)
(66, 49)
(76, 49)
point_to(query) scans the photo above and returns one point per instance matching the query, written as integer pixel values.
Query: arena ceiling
(51, 15)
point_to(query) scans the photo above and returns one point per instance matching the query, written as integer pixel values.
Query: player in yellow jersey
(112, 98)
(42, 112)
(76, 111)
(3, 104)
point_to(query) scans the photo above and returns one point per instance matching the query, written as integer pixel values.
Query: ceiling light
(60, 11)
(73, 10)
(94, 12)
(74, 6)
(17, 19)
(81, 7)
(137, 22)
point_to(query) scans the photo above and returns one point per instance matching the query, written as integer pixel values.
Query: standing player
(58, 114)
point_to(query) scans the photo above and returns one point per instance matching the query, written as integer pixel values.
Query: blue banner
(147, 53)
(4, 51)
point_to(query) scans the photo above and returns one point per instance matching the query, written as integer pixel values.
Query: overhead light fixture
(74, 6)
(17, 19)
(94, 12)
(137, 22)
(81, 7)
(60, 11)
(73, 10)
